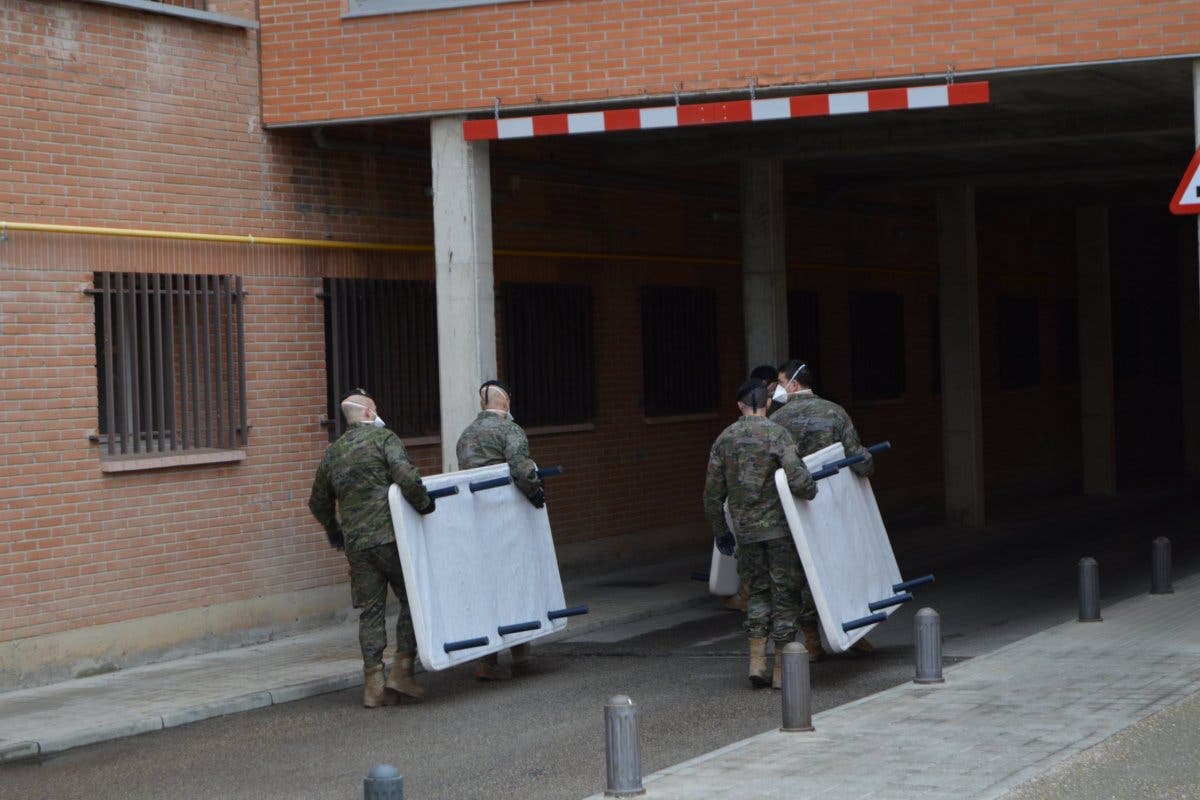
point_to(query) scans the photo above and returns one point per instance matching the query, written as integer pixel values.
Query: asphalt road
(540, 735)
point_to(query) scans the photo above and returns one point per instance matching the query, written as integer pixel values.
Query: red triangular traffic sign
(1187, 196)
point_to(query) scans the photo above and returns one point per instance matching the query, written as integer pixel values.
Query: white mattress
(722, 571)
(844, 547)
(478, 562)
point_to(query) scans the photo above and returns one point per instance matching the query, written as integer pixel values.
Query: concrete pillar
(462, 242)
(962, 404)
(764, 271)
(1189, 316)
(1093, 283)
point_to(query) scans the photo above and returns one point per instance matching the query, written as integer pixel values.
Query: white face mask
(781, 393)
(378, 421)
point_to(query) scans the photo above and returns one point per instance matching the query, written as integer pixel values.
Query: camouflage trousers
(371, 572)
(778, 599)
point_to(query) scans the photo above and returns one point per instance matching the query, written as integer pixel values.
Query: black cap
(749, 391)
(360, 391)
(765, 372)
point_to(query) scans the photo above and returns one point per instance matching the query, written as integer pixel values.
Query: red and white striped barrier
(775, 108)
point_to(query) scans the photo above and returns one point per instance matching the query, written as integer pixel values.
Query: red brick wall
(318, 66)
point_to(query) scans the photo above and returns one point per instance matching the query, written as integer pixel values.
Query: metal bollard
(383, 782)
(927, 636)
(1160, 566)
(622, 750)
(1089, 590)
(797, 689)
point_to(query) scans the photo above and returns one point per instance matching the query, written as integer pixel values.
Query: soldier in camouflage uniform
(766, 374)
(355, 473)
(741, 469)
(816, 423)
(493, 438)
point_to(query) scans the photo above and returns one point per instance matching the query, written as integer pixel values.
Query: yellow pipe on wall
(37, 227)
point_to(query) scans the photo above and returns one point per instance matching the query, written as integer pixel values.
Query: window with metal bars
(877, 366)
(804, 330)
(549, 361)
(679, 350)
(381, 336)
(170, 362)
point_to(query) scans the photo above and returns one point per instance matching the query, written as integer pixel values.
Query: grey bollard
(622, 751)
(797, 689)
(383, 782)
(1089, 590)
(927, 636)
(1160, 566)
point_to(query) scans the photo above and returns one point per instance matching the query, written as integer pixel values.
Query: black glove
(429, 509)
(335, 538)
(726, 543)
(538, 497)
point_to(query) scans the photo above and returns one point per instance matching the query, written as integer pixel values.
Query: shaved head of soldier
(495, 396)
(359, 407)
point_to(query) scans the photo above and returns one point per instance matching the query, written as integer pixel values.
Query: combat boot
(758, 662)
(812, 642)
(400, 680)
(373, 688)
(863, 646)
(737, 602)
(777, 670)
(488, 669)
(522, 654)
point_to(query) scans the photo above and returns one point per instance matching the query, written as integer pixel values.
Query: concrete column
(1189, 316)
(962, 405)
(462, 242)
(1093, 282)
(764, 271)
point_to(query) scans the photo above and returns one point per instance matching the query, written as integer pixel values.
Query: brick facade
(317, 66)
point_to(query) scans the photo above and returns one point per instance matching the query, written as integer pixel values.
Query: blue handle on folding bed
(519, 627)
(492, 483)
(443, 492)
(700, 576)
(573, 611)
(465, 644)
(888, 602)
(914, 583)
(479, 486)
(833, 466)
(863, 622)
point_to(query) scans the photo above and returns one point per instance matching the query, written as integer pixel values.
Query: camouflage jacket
(741, 468)
(495, 439)
(356, 472)
(815, 423)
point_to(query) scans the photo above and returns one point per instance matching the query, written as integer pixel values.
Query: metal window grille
(679, 350)
(1066, 312)
(170, 362)
(1019, 342)
(381, 336)
(804, 329)
(548, 353)
(877, 367)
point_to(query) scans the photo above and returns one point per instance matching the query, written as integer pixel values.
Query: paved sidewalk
(998, 721)
(57, 717)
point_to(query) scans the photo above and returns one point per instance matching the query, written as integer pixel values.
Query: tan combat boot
(737, 602)
(812, 642)
(522, 654)
(373, 686)
(758, 662)
(777, 671)
(400, 679)
(488, 669)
